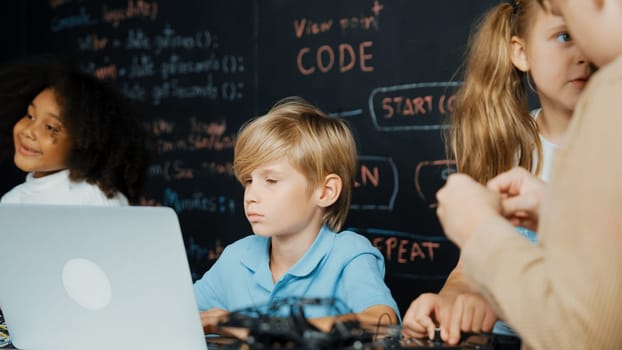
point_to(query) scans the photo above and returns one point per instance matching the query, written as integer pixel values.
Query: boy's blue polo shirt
(344, 266)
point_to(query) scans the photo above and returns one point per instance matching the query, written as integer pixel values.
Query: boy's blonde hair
(313, 143)
(491, 127)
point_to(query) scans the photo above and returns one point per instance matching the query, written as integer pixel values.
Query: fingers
(506, 182)
(516, 206)
(429, 326)
(522, 211)
(451, 334)
(470, 313)
(478, 314)
(489, 321)
(417, 327)
(211, 317)
(418, 322)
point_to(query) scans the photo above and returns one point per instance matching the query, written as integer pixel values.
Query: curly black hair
(109, 144)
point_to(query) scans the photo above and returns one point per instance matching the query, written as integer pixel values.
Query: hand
(210, 319)
(418, 321)
(469, 313)
(463, 204)
(522, 194)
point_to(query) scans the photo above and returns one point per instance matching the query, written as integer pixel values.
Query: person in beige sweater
(566, 291)
(492, 130)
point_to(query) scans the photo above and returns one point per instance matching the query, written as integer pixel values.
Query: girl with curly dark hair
(79, 139)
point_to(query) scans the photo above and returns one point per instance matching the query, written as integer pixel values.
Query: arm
(369, 318)
(572, 276)
(457, 283)
(361, 286)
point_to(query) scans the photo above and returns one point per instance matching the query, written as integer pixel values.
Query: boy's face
(42, 144)
(278, 201)
(596, 26)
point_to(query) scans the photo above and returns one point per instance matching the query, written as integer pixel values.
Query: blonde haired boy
(298, 167)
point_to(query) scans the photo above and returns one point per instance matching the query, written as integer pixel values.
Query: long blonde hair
(315, 144)
(491, 127)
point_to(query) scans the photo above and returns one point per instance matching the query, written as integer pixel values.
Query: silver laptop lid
(96, 278)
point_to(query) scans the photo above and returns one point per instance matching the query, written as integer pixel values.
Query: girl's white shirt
(548, 152)
(57, 188)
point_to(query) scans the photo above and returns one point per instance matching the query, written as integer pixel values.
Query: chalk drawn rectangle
(379, 194)
(417, 106)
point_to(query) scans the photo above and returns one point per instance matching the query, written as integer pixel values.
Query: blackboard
(201, 68)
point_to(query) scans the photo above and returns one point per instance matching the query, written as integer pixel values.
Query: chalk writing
(144, 66)
(175, 66)
(198, 253)
(136, 39)
(159, 126)
(409, 253)
(141, 9)
(216, 168)
(198, 201)
(92, 42)
(341, 57)
(226, 91)
(169, 39)
(376, 185)
(363, 22)
(193, 143)
(173, 89)
(211, 142)
(418, 106)
(402, 250)
(134, 91)
(108, 71)
(322, 59)
(141, 66)
(176, 70)
(177, 169)
(83, 19)
(346, 114)
(310, 27)
(430, 176)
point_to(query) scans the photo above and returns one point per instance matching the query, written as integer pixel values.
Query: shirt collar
(258, 258)
(315, 254)
(58, 176)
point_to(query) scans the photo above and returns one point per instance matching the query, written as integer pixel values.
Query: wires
(283, 323)
(4, 332)
(4, 335)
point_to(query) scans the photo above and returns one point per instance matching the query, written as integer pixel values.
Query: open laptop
(96, 278)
